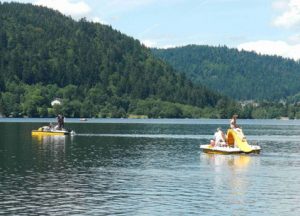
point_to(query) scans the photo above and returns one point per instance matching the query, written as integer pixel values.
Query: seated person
(45, 128)
(220, 138)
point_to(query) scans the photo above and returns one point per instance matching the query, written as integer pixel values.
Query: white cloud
(99, 20)
(76, 9)
(280, 48)
(294, 39)
(289, 17)
(155, 44)
(291, 13)
(149, 43)
(280, 4)
(152, 43)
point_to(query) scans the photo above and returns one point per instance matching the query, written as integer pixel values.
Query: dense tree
(239, 74)
(89, 65)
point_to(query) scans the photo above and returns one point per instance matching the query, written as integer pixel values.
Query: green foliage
(10, 104)
(35, 101)
(96, 70)
(154, 108)
(238, 74)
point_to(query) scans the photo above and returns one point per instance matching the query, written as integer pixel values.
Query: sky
(264, 26)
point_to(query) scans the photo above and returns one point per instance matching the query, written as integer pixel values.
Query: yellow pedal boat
(236, 144)
(49, 131)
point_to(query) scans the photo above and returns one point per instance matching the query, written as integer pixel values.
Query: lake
(147, 167)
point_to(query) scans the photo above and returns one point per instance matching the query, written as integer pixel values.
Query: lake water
(147, 167)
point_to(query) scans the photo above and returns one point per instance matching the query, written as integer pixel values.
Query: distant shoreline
(224, 123)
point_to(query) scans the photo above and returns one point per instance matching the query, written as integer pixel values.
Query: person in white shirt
(219, 138)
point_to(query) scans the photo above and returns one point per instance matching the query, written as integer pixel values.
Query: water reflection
(46, 140)
(50, 152)
(232, 178)
(50, 146)
(226, 161)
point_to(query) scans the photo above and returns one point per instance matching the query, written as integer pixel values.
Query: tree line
(21, 100)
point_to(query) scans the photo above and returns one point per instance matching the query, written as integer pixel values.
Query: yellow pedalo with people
(51, 130)
(235, 143)
(48, 131)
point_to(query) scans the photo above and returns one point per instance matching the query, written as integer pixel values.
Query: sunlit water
(147, 167)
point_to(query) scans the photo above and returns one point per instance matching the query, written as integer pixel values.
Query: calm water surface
(147, 167)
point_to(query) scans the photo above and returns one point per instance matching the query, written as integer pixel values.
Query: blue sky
(265, 26)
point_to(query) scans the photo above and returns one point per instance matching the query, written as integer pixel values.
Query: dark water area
(147, 167)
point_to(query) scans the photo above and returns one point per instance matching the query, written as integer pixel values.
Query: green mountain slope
(91, 67)
(238, 74)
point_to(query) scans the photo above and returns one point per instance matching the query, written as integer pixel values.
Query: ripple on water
(141, 169)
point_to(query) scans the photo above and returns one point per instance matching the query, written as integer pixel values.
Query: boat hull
(49, 133)
(228, 150)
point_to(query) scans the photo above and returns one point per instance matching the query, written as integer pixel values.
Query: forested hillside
(238, 74)
(94, 69)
